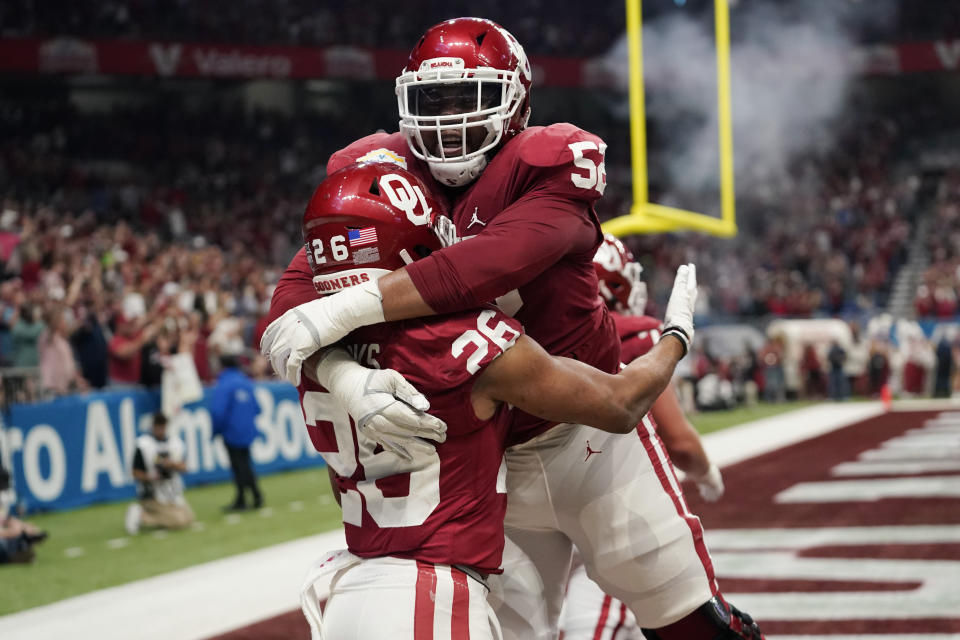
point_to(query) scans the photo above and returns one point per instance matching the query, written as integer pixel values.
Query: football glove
(678, 319)
(305, 329)
(710, 484)
(386, 408)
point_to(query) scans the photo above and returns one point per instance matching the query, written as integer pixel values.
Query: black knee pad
(714, 620)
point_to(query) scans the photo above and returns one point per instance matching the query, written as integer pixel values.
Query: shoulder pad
(378, 147)
(550, 146)
(565, 160)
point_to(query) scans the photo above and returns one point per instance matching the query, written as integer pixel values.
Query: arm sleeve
(520, 243)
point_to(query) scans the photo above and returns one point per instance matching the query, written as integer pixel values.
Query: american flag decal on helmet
(360, 237)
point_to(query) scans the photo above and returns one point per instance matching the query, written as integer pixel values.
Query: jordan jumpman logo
(475, 220)
(590, 451)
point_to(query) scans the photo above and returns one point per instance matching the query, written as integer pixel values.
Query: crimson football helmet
(619, 274)
(364, 221)
(465, 90)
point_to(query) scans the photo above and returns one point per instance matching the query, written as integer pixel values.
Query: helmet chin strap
(458, 174)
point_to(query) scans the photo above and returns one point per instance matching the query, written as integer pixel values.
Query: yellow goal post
(649, 217)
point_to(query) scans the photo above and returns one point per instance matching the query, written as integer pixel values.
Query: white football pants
(617, 499)
(590, 614)
(395, 599)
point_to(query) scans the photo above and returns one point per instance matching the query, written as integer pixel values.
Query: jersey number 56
(596, 172)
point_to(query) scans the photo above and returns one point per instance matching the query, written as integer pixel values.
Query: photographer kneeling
(157, 465)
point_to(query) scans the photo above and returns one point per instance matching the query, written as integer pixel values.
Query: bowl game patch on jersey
(383, 155)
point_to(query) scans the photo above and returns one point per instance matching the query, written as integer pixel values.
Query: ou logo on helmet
(407, 198)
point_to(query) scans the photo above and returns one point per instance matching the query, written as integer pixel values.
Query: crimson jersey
(444, 507)
(524, 234)
(637, 334)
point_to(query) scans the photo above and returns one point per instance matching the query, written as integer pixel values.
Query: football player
(425, 531)
(523, 233)
(589, 613)
(625, 295)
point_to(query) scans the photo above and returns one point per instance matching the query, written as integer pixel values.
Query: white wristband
(333, 362)
(361, 306)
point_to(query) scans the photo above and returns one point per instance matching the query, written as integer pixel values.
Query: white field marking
(869, 490)
(937, 597)
(930, 439)
(759, 539)
(325, 499)
(233, 518)
(118, 543)
(74, 552)
(885, 636)
(296, 505)
(198, 526)
(913, 453)
(772, 554)
(894, 467)
(755, 438)
(947, 406)
(266, 512)
(261, 584)
(160, 534)
(952, 426)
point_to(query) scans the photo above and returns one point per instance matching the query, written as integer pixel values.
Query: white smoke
(790, 73)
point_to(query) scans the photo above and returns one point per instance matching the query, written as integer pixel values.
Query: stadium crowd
(140, 231)
(578, 30)
(825, 239)
(544, 28)
(937, 293)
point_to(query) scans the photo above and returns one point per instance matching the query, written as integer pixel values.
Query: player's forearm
(519, 245)
(400, 297)
(679, 437)
(644, 380)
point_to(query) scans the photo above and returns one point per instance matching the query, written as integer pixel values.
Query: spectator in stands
(233, 411)
(125, 349)
(944, 368)
(878, 366)
(152, 357)
(157, 464)
(814, 385)
(90, 345)
(771, 357)
(837, 380)
(918, 359)
(11, 299)
(27, 327)
(59, 373)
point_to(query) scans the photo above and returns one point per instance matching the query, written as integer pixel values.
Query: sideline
(216, 597)
(189, 604)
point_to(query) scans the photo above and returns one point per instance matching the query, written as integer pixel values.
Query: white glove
(304, 330)
(678, 319)
(385, 407)
(710, 484)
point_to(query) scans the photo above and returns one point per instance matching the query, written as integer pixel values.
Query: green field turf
(716, 420)
(56, 575)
